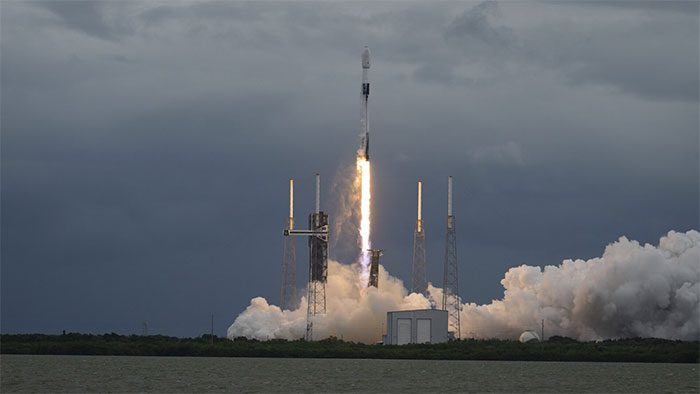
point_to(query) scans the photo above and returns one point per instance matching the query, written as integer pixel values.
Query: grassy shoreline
(555, 349)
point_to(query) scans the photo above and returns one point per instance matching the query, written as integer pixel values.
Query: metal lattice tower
(374, 267)
(420, 282)
(289, 260)
(318, 263)
(318, 259)
(450, 296)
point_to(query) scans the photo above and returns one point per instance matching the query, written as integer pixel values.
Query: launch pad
(368, 260)
(374, 267)
(318, 258)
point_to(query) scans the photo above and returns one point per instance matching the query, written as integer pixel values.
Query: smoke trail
(346, 213)
(632, 290)
(352, 221)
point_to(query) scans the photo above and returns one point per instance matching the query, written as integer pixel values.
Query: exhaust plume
(363, 174)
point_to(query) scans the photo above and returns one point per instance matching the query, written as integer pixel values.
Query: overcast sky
(146, 146)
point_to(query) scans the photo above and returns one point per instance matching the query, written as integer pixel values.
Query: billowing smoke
(345, 205)
(353, 314)
(633, 290)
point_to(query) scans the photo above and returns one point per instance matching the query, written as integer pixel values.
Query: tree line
(554, 349)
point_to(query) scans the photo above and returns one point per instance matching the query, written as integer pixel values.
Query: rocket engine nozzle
(363, 152)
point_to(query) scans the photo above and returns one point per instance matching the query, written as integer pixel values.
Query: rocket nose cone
(365, 58)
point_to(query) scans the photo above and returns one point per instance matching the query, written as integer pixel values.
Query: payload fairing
(363, 152)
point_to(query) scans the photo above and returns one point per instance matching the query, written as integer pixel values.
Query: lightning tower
(450, 296)
(289, 260)
(420, 283)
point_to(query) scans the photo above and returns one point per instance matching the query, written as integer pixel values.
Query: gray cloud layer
(146, 145)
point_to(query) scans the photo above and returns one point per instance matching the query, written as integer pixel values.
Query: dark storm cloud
(647, 66)
(439, 72)
(87, 17)
(216, 10)
(684, 6)
(477, 24)
(594, 48)
(147, 146)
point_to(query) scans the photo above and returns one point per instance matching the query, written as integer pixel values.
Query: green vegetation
(556, 349)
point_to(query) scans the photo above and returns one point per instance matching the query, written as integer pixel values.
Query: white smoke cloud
(345, 205)
(353, 314)
(633, 290)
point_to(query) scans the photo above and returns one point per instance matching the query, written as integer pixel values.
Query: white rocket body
(364, 135)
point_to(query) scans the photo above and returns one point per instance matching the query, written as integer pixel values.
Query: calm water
(189, 374)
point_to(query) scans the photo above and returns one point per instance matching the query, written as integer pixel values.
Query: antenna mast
(211, 336)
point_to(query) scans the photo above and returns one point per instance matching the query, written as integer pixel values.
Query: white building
(416, 326)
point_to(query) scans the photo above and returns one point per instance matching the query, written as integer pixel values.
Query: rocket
(363, 152)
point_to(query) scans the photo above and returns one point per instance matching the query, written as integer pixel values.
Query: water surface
(19, 373)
